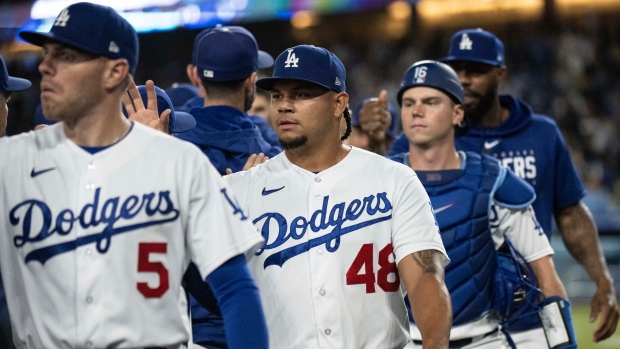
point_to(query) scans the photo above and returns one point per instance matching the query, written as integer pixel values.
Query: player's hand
(40, 127)
(605, 304)
(375, 117)
(149, 115)
(253, 161)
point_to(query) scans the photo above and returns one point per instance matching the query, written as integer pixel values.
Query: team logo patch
(271, 191)
(342, 218)
(466, 43)
(38, 224)
(113, 47)
(35, 173)
(291, 60)
(63, 17)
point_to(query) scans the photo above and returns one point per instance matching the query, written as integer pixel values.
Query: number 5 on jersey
(362, 270)
(145, 265)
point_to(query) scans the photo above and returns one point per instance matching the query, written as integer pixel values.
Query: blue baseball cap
(92, 28)
(394, 125)
(476, 45)
(9, 83)
(433, 74)
(227, 53)
(179, 121)
(180, 93)
(197, 40)
(307, 63)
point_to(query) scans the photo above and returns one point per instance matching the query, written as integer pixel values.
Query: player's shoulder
(543, 123)
(48, 137)
(370, 160)
(512, 191)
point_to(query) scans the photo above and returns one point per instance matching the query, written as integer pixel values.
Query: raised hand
(136, 111)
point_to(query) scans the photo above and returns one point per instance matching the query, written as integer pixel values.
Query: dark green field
(584, 330)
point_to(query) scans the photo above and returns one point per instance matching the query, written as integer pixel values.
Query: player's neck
(495, 116)
(317, 160)
(237, 103)
(98, 128)
(434, 158)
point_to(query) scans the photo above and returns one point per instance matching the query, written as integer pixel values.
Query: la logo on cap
(465, 43)
(113, 47)
(62, 18)
(291, 59)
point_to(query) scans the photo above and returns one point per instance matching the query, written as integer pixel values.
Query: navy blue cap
(476, 45)
(179, 121)
(180, 93)
(197, 40)
(308, 63)
(92, 28)
(394, 125)
(228, 53)
(9, 83)
(437, 75)
(432, 74)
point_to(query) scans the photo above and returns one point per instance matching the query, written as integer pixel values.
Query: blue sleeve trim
(240, 305)
(512, 191)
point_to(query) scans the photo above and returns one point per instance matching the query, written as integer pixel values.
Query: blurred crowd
(568, 72)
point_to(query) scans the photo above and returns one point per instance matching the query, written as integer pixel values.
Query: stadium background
(563, 58)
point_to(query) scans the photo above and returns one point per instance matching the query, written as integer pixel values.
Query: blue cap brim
(182, 122)
(17, 84)
(38, 39)
(264, 60)
(468, 59)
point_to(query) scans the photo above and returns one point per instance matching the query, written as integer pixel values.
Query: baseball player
(101, 216)
(478, 204)
(8, 85)
(223, 61)
(344, 228)
(533, 147)
(226, 60)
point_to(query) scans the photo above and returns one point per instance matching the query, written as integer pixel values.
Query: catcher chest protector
(465, 196)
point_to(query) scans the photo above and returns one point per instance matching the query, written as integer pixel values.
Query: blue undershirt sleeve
(240, 305)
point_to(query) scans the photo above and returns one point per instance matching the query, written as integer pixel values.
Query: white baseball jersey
(327, 272)
(522, 229)
(93, 247)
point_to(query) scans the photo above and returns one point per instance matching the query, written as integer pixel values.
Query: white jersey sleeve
(217, 213)
(522, 229)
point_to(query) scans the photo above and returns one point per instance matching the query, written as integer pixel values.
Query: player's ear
(192, 74)
(501, 74)
(116, 73)
(458, 114)
(341, 101)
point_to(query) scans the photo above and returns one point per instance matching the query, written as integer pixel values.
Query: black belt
(459, 343)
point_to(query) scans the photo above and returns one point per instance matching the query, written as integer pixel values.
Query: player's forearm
(580, 237)
(424, 276)
(432, 310)
(548, 280)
